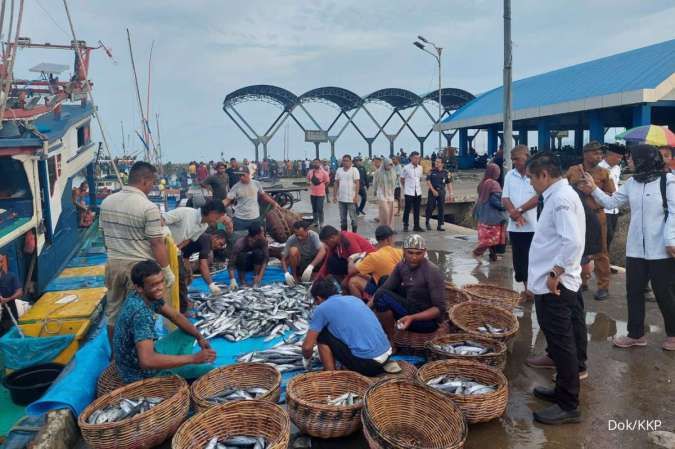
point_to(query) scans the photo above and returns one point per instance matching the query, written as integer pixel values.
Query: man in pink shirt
(318, 179)
(340, 247)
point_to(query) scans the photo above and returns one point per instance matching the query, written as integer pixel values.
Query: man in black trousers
(411, 176)
(554, 277)
(363, 185)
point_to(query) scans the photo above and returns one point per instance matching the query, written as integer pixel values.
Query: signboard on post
(316, 135)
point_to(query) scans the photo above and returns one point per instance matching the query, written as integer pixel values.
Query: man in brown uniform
(593, 154)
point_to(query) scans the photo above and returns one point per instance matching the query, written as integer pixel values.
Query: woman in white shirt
(650, 248)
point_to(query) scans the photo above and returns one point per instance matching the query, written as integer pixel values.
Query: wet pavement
(624, 385)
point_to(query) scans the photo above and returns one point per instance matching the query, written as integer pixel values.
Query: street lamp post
(439, 51)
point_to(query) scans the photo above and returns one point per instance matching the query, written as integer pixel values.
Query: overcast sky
(205, 49)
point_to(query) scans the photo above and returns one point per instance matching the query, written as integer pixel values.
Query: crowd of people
(556, 222)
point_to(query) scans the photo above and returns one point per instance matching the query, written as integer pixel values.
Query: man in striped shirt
(132, 230)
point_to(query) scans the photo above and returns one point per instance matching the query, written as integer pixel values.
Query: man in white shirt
(612, 163)
(520, 201)
(554, 277)
(345, 191)
(412, 189)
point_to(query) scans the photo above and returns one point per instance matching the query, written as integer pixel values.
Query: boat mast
(8, 59)
(144, 122)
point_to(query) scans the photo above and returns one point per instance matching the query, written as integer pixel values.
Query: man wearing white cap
(411, 298)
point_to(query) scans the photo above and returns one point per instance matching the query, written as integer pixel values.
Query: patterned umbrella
(649, 134)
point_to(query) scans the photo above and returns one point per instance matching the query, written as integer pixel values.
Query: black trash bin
(29, 384)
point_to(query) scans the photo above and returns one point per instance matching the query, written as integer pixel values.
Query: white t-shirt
(346, 179)
(518, 189)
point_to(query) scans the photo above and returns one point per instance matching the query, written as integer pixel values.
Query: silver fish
(238, 394)
(460, 385)
(345, 399)
(237, 442)
(487, 328)
(126, 408)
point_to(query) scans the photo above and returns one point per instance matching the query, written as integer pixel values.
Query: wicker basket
(413, 342)
(250, 418)
(240, 375)
(496, 356)
(476, 408)
(493, 295)
(279, 223)
(307, 394)
(108, 381)
(144, 430)
(469, 316)
(408, 371)
(399, 414)
(455, 295)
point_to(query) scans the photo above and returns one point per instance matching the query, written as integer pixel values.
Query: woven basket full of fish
(259, 424)
(236, 382)
(327, 404)
(480, 391)
(279, 223)
(493, 295)
(470, 347)
(122, 425)
(401, 414)
(414, 342)
(477, 318)
(108, 381)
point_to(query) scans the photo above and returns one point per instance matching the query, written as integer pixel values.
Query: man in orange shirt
(593, 154)
(368, 273)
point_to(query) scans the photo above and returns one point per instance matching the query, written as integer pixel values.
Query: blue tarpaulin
(21, 352)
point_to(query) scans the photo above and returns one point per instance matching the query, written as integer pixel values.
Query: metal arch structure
(398, 100)
(266, 93)
(348, 103)
(345, 100)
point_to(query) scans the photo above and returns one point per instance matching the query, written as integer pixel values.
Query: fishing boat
(45, 144)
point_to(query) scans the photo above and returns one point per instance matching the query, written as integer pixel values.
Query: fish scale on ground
(271, 310)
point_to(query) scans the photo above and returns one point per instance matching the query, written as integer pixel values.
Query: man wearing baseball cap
(412, 298)
(246, 194)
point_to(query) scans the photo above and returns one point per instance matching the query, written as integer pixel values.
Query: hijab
(387, 178)
(489, 184)
(649, 164)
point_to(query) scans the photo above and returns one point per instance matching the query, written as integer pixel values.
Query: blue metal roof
(642, 68)
(53, 129)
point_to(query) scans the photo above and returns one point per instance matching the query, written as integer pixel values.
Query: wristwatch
(556, 271)
(520, 210)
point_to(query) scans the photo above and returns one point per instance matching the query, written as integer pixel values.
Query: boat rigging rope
(76, 43)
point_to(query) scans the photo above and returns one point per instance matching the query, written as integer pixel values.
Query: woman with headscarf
(384, 184)
(490, 215)
(650, 248)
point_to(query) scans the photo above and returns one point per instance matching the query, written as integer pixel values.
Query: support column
(265, 149)
(370, 140)
(543, 136)
(492, 140)
(463, 142)
(421, 141)
(316, 150)
(596, 128)
(642, 115)
(256, 143)
(578, 138)
(332, 149)
(522, 137)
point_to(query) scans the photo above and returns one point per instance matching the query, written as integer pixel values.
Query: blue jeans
(386, 300)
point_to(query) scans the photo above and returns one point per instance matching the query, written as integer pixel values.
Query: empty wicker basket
(493, 295)
(413, 342)
(144, 430)
(455, 295)
(398, 413)
(307, 396)
(476, 408)
(496, 355)
(249, 418)
(240, 375)
(108, 381)
(469, 316)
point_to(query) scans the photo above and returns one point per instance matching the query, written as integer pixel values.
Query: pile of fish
(460, 385)
(283, 356)
(233, 394)
(488, 328)
(237, 442)
(270, 311)
(345, 399)
(125, 409)
(466, 347)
